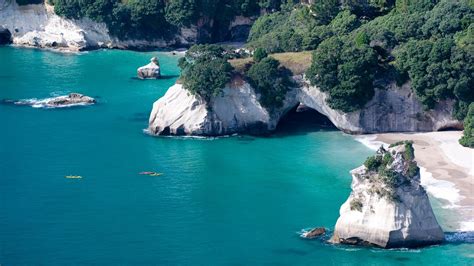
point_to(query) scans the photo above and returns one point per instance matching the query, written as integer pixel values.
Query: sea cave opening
(303, 119)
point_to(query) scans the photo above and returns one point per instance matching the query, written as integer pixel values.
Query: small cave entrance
(451, 128)
(302, 119)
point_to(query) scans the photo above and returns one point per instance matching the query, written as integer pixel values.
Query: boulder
(315, 232)
(150, 71)
(388, 207)
(5, 36)
(70, 99)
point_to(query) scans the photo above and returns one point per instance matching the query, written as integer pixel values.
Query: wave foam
(371, 142)
(43, 103)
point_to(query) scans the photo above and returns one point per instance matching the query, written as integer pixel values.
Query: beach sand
(448, 169)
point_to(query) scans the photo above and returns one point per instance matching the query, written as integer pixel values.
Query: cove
(230, 200)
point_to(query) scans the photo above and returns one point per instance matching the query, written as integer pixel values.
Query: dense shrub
(438, 70)
(468, 137)
(259, 54)
(205, 71)
(346, 71)
(152, 19)
(373, 163)
(413, 169)
(271, 81)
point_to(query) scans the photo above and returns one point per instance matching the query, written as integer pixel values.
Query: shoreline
(446, 169)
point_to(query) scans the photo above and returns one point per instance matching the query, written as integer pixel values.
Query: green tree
(181, 12)
(468, 137)
(325, 10)
(344, 70)
(271, 81)
(259, 54)
(205, 71)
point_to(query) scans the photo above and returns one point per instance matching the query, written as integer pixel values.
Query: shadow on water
(161, 77)
(139, 117)
(461, 237)
(302, 121)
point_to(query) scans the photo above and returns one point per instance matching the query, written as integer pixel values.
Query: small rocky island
(388, 207)
(150, 71)
(72, 99)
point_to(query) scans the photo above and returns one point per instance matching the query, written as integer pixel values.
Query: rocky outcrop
(150, 71)
(388, 207)
(5, 36)
(237, 109)
(72, 99)
(314, 233)
(38, 26)
(180, 113)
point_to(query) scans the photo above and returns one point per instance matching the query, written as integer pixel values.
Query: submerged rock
(72, 99)
(388, 207)
(150, 71)
(315, 232)
(5, 36)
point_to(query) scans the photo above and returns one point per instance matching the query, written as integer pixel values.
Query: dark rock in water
(316, 232)
(150, 71)
(71, 99)
(5, 36)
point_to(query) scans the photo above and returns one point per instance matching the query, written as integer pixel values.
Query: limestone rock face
(38, 26)
(150, 71)
(180, 113)
(387, 206)
(237, 110)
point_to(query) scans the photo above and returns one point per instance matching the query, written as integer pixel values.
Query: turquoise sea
(237, 200)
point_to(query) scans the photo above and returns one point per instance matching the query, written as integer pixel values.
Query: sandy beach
(447, 168)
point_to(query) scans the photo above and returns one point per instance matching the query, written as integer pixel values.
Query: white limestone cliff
(388, 207)
(38, 26)
(238, 110)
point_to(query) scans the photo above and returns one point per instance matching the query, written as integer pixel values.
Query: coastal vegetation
(205, 70)
(356, 45)
(270, 80)
(428, 43)
(380, 167)
(468, 138)
(154, 19)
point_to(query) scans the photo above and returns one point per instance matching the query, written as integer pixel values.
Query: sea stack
(150, 71)
(388, 207)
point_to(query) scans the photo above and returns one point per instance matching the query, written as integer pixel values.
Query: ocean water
(237, 200)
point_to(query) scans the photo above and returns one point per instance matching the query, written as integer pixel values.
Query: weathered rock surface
(38, 26)
(5, 36)
(150, 71)
(315, 232)
(72, 99)
(393, 109)
(388, 207)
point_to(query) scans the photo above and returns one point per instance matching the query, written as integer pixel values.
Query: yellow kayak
(73, 176)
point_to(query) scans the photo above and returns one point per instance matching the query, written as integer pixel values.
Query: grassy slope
(297, 62)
